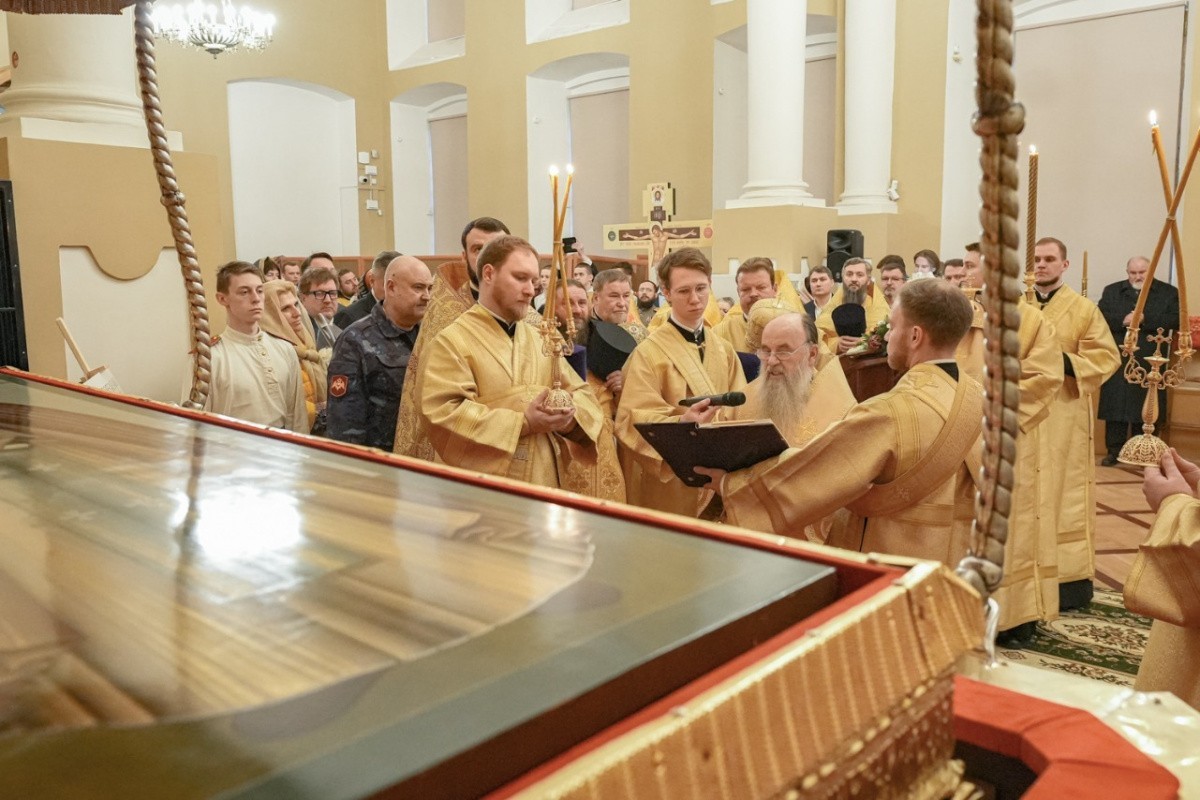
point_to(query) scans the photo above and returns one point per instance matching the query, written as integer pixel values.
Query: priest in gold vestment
(755, 280)
(1029, 590)
(856, 287)
(455, 287)
(483, 388)
(1068, 468)
(1165, 581)
(903, 464)
(801, 389)
(678, 359)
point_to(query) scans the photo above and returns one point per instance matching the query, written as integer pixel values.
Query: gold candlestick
(554, 344)
(1031, 223)
(1146, 449)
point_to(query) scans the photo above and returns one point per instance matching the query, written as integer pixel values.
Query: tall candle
(554, 199)
(1083, 277)
(1031, 209)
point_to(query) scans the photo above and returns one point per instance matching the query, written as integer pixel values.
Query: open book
(730, 445)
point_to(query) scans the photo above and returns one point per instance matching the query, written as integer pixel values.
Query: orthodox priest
(1029, 590)
(482, 392)
(678, 359)
(903, 464)
(1068, 469)
(455, 288)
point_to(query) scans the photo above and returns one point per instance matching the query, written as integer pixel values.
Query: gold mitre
(766, 310)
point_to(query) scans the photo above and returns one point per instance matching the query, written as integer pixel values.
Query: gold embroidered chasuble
(830, 399)
(449, 299)
(884, 464)
(1164, 585)
(663, 370)
(473, 392)
(1029, 589)
(1068, 466)
(732, 328)
(876, 307)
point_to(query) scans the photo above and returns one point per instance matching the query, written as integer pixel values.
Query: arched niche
(429, 161)
(593, 87)
(292, 152)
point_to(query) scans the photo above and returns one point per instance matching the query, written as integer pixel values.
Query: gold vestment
(1164, 585)
(876, 308)
(1068, 466)
(449, 299)
(732, 328)
(1029, 590)
(473, 393)
(663, 370)
(876, 446)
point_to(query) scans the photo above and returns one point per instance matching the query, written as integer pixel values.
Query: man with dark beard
(857, 289)
(647, 301)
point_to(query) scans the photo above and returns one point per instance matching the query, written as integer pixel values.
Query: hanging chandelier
(214, 28)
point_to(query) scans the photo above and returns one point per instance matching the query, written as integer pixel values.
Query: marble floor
(1122, 521)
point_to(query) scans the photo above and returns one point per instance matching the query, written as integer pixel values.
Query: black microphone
(727, 399)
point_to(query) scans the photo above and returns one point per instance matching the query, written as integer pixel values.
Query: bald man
(370, 358)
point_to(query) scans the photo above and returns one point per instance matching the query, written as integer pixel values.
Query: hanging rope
(173, 199)
(998, 122)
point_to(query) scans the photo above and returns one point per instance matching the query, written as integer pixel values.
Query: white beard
(784, 398)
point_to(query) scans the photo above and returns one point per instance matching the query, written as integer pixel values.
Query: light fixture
(214, 28)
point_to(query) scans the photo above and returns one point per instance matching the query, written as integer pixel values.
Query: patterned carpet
(1104, 642)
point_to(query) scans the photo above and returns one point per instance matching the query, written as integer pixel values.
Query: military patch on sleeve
(338, 385)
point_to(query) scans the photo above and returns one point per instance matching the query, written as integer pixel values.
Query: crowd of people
(451, 365)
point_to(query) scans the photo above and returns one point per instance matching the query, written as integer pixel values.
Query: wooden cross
(659, 233)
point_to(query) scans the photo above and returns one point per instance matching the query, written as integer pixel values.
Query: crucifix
(659, 233)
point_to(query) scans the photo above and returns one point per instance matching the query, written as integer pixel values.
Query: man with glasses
(319, 293)
(802, 391)
(677, 360)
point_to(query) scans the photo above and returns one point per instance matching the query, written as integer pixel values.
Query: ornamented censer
(554, 344)
(1146, 449)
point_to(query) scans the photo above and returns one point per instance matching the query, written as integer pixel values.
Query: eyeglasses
(782, 355)
(327, 294)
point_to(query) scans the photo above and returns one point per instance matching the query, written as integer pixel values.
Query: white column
(870, 46)
(777, 33)
(76, 71)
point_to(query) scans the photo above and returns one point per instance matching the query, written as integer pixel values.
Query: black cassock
(1121, 401)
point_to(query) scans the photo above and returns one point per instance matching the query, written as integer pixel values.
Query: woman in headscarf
(283, 317)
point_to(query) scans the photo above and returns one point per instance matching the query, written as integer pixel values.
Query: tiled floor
(1122, 521)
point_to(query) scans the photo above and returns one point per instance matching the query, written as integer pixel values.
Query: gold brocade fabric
(712, 314)
(1165, 584)
(663, 370)
(876, 442)
(1068, 467)
(732, 328)
(449, 299)
(819, 719)
(1029, 588)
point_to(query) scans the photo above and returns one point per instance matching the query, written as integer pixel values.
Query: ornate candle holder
(555, 346)
(1146, 449)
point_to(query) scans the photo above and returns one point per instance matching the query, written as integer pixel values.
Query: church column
(870, 45)
(74, 68)
(777, 31)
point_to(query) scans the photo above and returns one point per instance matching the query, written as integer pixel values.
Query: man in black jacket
(371, 293)
(1120, 401)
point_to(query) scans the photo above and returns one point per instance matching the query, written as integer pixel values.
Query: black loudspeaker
(839, 246)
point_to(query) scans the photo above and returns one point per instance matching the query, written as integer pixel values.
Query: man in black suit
(370, 294)
(1120, 401)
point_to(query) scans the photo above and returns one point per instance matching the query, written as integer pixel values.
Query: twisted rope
(998, 122)
(173, 200)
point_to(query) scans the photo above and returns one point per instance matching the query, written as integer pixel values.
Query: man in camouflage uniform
(366, 374)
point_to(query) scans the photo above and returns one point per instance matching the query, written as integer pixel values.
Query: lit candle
(1162, 238)
(1031, 210)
